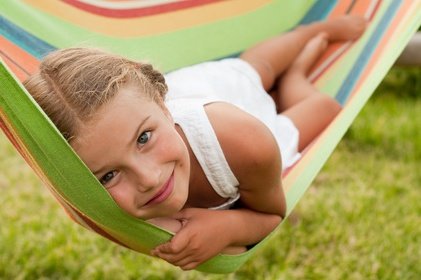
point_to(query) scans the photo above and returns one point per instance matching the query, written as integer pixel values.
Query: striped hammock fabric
(173, 34)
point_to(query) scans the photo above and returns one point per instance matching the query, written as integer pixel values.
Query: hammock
(173, 34)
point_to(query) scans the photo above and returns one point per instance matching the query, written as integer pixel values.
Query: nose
(147, 175)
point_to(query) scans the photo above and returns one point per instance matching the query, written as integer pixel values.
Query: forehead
(121, 110)
(129, 98)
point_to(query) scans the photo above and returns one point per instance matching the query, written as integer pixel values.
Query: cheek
(172, 146)
(122, 197)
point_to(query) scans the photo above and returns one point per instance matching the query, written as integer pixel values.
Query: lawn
(360, 218)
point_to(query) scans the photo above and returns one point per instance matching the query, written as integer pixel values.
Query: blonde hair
(72, 84)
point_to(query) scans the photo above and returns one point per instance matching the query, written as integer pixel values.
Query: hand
(202, 236)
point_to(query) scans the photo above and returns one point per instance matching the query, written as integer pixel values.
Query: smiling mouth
(163, 193)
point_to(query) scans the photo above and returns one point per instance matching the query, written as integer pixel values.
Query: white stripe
(122, 5)
(371, 9)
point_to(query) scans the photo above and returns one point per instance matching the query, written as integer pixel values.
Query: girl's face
(133, 149)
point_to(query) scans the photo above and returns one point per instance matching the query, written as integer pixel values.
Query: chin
(167, 210)
(171, 206)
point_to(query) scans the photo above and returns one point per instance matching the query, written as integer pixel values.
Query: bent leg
(311, 116)
(310, 110)
(272, 57)
(294, 85)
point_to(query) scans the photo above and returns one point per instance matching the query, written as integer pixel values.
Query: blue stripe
(320, 10)
(363, 59)
(23, 39)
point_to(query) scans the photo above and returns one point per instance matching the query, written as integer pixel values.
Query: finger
(175, 259)
(165, 248)
(189, 266)
(190, 262)
(185, 259)
(170, 253)
(178, 243)
(184, 262)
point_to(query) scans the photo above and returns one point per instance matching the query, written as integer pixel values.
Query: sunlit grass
(359, 220)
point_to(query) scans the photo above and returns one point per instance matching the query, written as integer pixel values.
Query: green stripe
(73, 181)
(169, 50)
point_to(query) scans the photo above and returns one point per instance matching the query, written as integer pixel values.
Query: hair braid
(155, 78)
(74, 83)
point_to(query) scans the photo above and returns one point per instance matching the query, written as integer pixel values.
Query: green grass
(359, 220)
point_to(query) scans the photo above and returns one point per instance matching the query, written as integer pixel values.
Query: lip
(163, 193)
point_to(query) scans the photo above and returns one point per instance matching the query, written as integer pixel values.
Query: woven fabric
(173, 34)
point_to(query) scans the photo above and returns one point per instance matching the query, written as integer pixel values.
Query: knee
(329, 105)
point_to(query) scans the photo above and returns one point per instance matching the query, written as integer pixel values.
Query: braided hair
(72, 84)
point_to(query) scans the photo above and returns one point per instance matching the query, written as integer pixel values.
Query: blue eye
(107, 177)
(144, 138)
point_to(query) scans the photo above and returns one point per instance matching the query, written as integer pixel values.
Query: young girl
(181, 159)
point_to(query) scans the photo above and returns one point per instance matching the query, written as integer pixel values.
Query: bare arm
(206, 233)
(240, 227)
(253, 155)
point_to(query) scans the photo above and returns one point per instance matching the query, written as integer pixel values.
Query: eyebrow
(133, 139)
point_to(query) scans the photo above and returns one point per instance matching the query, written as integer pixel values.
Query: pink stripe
(138, 12)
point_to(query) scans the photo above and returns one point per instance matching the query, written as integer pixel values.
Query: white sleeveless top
(233, 81)
(198, 130)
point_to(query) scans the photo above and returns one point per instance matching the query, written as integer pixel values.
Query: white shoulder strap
(192, 118)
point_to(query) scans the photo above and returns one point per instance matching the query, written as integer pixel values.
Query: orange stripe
(20, 62)
(92, 225)
(291, 176)
(13, 137)
(20, 146)
(360, 8)
(375, 59)
(72, 212)
(16, 141)
(387, 38)
(341, 8)
(148, 26)
(19, 72)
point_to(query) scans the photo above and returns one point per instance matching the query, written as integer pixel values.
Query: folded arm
(206, 233)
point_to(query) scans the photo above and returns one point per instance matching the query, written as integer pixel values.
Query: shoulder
(249, 146)
(253, 155)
